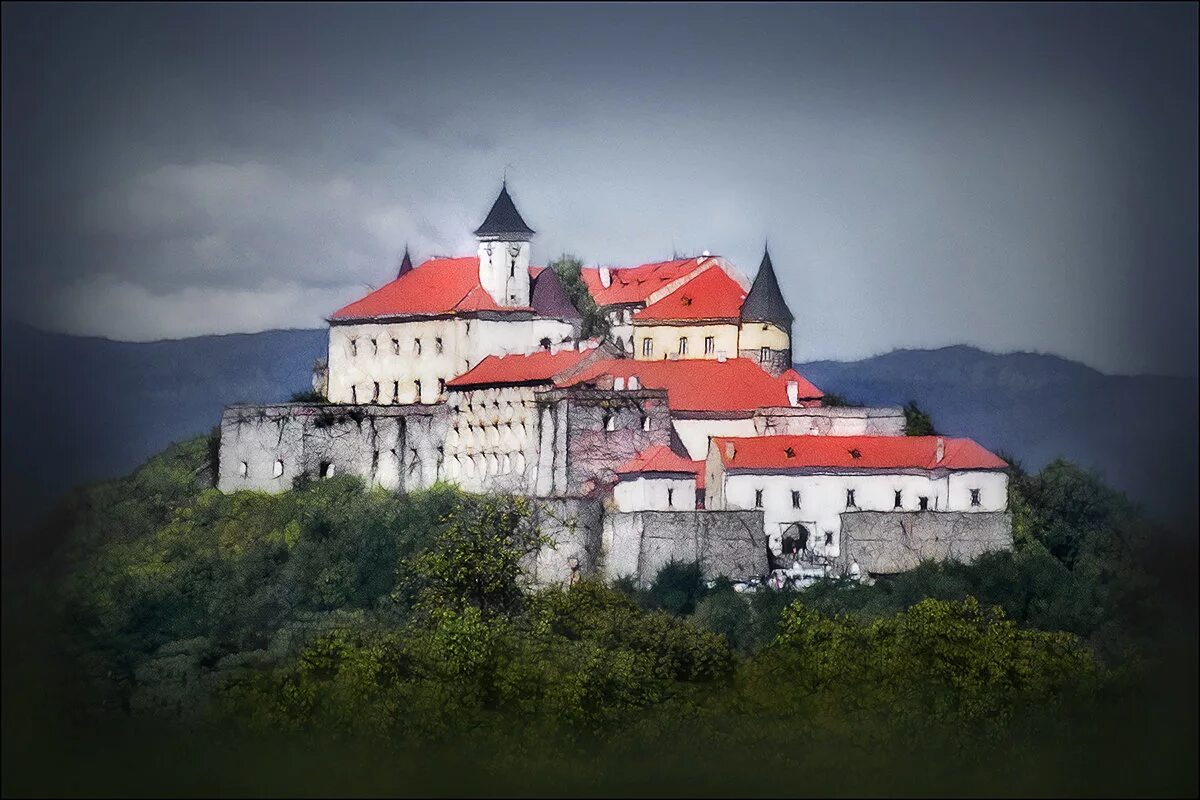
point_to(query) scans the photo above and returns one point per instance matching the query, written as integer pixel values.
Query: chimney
(941, 450)
(619, 384)
(729, 451)
(721, 356)
(706, 254)
(605, 277)
(793, 390)
(633, 382)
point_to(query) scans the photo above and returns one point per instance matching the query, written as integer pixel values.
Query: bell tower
(504, 252)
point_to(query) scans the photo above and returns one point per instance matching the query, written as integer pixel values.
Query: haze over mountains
(82, 409)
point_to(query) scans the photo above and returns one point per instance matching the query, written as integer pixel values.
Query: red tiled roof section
(710, 295)
(635, 284)
(854, 452)
(661, 458)
(439, 286)
(737, 384)
(539, 367)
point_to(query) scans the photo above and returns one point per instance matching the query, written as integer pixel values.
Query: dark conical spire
(765, 302)
(504, 219)
(406, 264)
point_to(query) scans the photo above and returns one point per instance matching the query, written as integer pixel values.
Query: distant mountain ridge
(79, 409)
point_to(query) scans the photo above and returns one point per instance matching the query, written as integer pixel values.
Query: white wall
(465, 342)
(651, 494)
(492, 441)
(694, 433)
(823, 498)
(502, 274)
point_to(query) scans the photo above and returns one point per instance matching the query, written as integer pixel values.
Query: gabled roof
(737, 384)
(635, 284)
(530, 368)
(662, 459)
(765, 301)
(504, 218)
(451, 286)
(853, 452)
(710, 295)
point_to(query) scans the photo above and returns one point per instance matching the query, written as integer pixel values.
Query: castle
(684, 433)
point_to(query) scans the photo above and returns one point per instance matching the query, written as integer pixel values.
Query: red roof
(661, 458)
(635, 284)
(539, 367)
(737, 384)
(853, 452)
(439, 286)
(710, 295)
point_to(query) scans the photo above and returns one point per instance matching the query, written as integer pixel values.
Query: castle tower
(765, 333)
(504, 252)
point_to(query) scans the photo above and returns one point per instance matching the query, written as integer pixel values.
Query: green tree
(569, 269)
(916, 421)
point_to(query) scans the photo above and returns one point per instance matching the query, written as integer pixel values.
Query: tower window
(710, 345)
(647, 346)
(898, 503)
(850, 498)
(758, 498)
(795, 499)
(974, 497)
(764, 355)
(683, 345)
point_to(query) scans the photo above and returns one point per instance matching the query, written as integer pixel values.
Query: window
(395, 391)
(544, 343)
(683, 345)
(374, 461)
(437, 345)
(670, 497)
(512, 269)
(417, 387)
(758, 498)
(795, 499)
(710, 345)
(645, 422)
(417, 347)
(374, 347)
(610, 421)
(396, 347)
(375, 393)
(354, 347)
(354, 394)
(647, 346)
(897, 504)
(828, 538)
(278, 470)
(849, 498)
(974, 497)
(243, 469)
(441, 386)
(764, 355)
(326, 469)
(924, 502)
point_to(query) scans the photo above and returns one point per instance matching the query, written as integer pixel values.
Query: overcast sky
(1013, 177)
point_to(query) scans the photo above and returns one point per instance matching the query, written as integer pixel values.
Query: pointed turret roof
(765, 302)
(504, 218)
(406, 264)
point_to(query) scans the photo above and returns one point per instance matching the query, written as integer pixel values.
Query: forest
(165, 638)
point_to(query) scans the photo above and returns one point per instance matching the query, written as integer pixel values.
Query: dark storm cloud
(1016, 177)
